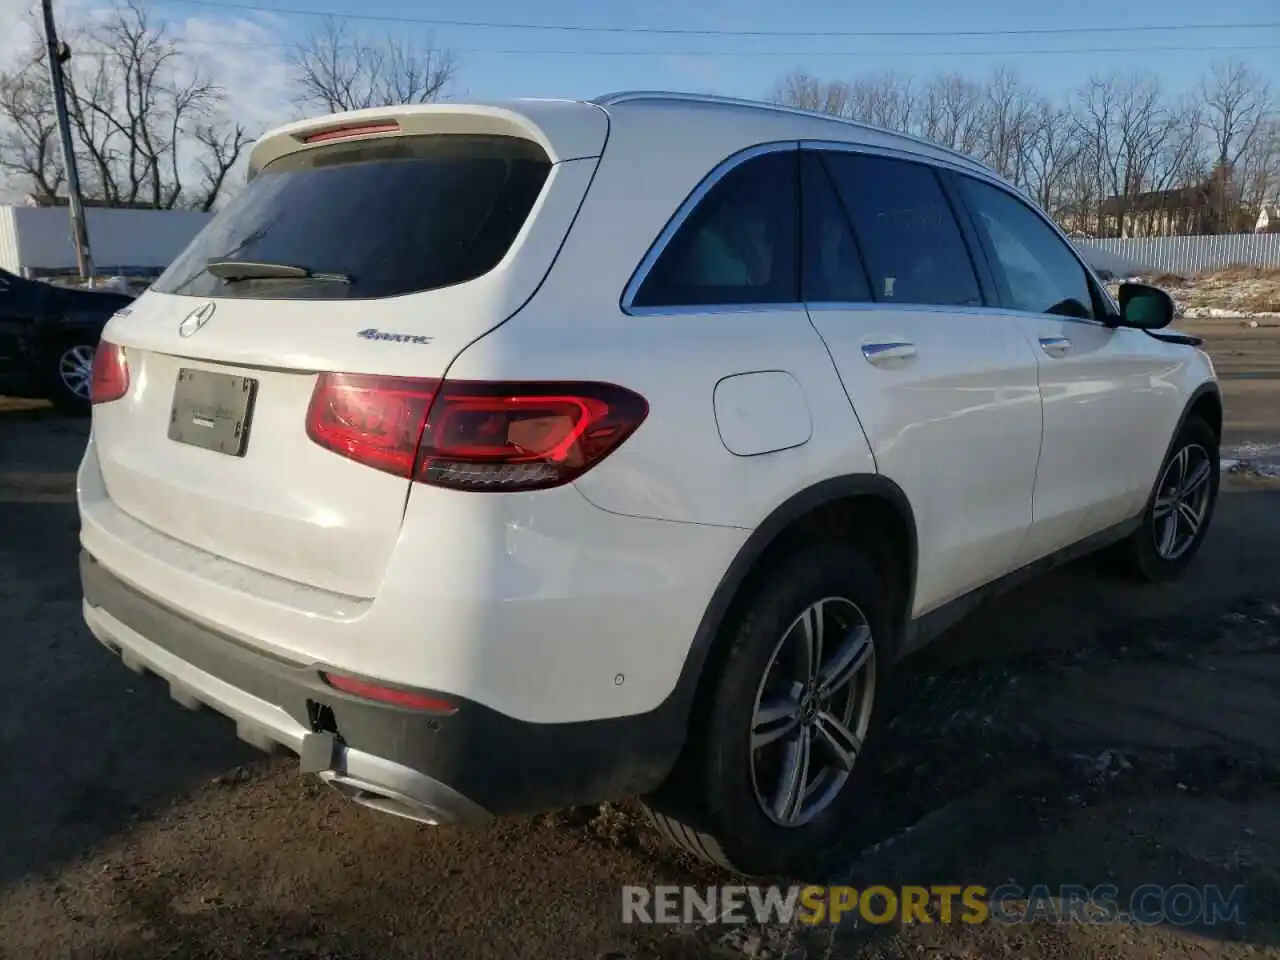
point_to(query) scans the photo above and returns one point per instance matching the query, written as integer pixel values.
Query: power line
(537, 52)
(685, 31)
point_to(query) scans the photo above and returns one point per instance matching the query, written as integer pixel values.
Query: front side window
(738, 246)
(908, 235)
(1035, 270)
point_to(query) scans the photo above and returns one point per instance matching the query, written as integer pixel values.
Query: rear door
(945, 388)
(425, 242)
(1103, 387)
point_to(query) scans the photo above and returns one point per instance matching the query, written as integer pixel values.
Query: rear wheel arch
(867, 510)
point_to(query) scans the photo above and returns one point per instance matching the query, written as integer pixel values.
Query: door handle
(883, 352)
(1055, 346)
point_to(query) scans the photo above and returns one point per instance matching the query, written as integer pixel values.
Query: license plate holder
(212, 411)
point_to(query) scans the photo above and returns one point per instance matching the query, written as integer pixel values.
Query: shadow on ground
(132, 828)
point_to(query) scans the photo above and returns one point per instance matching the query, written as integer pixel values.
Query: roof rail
(628, 96)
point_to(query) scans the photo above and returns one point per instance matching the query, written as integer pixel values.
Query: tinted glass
(832, 270)
(397, 216)
(1035, 269)
(739, 246)
(913, 247)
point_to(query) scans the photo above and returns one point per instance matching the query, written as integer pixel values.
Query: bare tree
(807, 92)
(886, 99)
(29, 134)
(1050, 157)
(1010, 112)
(950, 113)
(1237, 114)
(339, 69)
(143, 118)
(1119, 156)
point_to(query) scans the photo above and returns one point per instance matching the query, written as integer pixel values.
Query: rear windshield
(390, 217)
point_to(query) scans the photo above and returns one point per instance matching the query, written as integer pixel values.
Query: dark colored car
(48, 336)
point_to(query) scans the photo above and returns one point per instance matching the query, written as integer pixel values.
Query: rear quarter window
(395, 216)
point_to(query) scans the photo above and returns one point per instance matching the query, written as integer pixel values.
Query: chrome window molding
(859, 306)
(965, 167)
(656, 249)
(684, 310)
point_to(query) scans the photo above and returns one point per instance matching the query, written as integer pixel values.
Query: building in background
(35, 240)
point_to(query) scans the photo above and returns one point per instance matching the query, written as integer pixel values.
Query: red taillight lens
(400, 698)
(110, 380)
(473, 436)
(376, 421)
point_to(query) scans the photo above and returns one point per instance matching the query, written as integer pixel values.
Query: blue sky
(583, 64)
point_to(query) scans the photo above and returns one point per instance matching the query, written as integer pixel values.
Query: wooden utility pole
(58, 54)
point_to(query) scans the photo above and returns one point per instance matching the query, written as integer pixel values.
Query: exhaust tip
(395, 804)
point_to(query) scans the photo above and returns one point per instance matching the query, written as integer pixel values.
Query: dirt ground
(1078, 731)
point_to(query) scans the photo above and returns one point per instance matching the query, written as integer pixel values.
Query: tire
(1186, 488)
(67, 376)
(714, 805)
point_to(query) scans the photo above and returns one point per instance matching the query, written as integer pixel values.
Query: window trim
(945, 169)
(981, 269)
(677, 220)
(1097, 289)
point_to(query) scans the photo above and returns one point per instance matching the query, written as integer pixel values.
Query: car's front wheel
(68, 375)
(779, 742)
(1179, 510)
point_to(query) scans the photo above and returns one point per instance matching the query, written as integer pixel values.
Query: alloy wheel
(1182, 501)
(75, 368)
(812, 711)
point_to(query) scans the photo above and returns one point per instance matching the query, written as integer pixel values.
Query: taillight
(473, 436)
(110, 380)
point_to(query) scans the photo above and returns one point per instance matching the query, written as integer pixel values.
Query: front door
(1102, 386)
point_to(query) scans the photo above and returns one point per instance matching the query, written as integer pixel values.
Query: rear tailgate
(250, 352)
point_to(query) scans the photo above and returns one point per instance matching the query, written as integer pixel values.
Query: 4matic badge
(372, 334)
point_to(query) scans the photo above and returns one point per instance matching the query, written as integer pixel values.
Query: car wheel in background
(69, 375)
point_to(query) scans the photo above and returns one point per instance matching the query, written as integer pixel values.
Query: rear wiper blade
(234, 270)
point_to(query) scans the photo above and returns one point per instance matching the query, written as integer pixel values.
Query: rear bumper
(456, 768)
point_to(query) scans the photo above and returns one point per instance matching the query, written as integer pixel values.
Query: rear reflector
(110, 379)
(344, 133)
(398, 698)
(473, 436)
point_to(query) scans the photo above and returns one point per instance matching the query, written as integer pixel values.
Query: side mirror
(1145, 307)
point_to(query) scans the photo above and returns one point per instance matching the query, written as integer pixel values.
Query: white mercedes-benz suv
(499, 458)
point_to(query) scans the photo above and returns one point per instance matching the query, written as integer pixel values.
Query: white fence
(37, 240)
(1186, 255)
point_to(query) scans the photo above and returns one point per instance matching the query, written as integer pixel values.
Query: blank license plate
(212, 411)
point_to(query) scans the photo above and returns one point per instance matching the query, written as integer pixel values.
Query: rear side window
(394, 216)
(740, 245)
(1036, 270)
(914, 250)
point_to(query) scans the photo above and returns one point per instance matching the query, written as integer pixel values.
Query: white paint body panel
(581, 602)
(956, 427)
(288, 507)
(1111, 403)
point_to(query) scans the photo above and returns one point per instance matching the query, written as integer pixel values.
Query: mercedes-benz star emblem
(196, 319)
